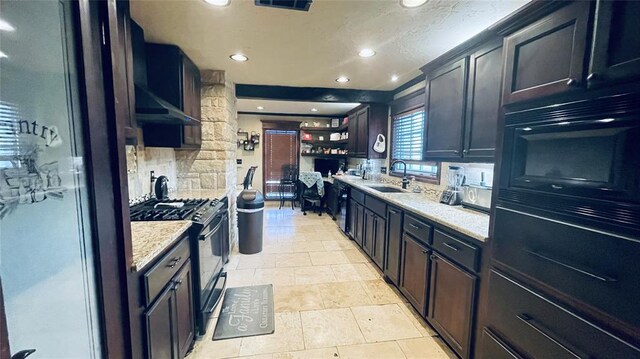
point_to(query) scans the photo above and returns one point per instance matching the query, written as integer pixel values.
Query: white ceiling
(294, 107)
(312, 49)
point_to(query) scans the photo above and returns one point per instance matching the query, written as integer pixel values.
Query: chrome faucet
(405, 180)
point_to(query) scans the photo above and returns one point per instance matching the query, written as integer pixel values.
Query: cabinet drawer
(376, 206)
(418, 229)
(156, 278)
(594, 267)
(465, 254)
(542, 329)
(492, 348)
(357, 195)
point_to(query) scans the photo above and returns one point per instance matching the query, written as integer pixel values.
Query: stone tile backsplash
(141, 161)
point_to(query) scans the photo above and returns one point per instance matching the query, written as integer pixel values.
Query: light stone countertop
(472, 223)
(150, 238)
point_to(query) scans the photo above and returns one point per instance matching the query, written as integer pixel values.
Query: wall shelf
(325, 143)
(320, 155)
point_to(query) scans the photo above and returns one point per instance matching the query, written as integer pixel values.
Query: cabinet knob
(456, 152)
(465, 152)
(425, 251)
(433, 257)
(593, 77)
(572, 82)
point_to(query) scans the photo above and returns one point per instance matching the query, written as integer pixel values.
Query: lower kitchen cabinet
(356, 221)
(492, 348)
(415, 272)
(393, 245)
(451, 303)
(168, 317)
(374, 236)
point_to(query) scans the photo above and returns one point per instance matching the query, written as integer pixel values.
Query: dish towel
(311, 178)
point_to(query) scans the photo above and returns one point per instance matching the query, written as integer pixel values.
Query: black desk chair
(289, 180)
(310, 195)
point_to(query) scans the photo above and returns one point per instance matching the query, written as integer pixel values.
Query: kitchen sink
(387, 189)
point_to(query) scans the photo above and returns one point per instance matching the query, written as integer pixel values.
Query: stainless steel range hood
(149, 107)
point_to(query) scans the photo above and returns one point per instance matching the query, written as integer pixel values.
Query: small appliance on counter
(455, 180)
(477, 197)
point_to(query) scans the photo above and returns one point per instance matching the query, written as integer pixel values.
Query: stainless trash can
(250, 219)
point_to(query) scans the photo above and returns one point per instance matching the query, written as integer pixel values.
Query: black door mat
(246, 312)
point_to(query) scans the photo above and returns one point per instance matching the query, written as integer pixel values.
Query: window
(280, 158)
(408, 129)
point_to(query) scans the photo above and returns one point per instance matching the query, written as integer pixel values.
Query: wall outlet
(383, 169)
(238, 161)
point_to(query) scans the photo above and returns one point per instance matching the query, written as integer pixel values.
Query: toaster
(476, 197)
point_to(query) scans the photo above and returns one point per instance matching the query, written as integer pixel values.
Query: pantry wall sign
(26, 177)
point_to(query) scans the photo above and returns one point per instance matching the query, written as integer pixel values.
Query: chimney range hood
(149, 107)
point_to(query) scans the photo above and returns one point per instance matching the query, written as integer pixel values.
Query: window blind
(281, 150)
(408, 136)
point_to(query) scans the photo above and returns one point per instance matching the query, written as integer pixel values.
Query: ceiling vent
(302, 5)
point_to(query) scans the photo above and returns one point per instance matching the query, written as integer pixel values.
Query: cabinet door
(351, 215)
(446, 97)
(451, 303)
(159, 320)
(185, 325)
(122, 67)
(393, 244)
(483, 103)
(362, 141)
(353, 135)
(547, 57)
(616, 47)
(492, 348)
(415, 270)
(379, 238)
(358, 220)
(369, 232)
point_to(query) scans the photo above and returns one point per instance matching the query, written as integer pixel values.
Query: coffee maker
(455, 180)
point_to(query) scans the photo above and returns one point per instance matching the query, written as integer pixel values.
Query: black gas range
(209, 238)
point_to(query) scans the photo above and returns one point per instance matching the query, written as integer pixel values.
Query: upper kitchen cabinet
(122, 68)
(483, 103)
(463, 103)
(366, 123)
(615, 54)
(173, 77)
(445, 105)
(548, 56)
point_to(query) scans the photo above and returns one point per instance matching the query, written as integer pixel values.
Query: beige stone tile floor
(330, 300)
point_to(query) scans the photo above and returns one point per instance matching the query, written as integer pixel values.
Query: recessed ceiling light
(394, 78)
(239, 57)
(342, 79)
(366, 53)
(5, 26)
(218, 2)
(260, 108)
(314, 110)
(3, 55)
(412, 3)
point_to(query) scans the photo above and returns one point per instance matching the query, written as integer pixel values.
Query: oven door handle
(215, 229)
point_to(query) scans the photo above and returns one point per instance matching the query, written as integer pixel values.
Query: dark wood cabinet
(493, 348)
(369, 232)
(393, 245)
(483, 102)
(185, 325)
(159, 320)
(169, 313)
(452, 303)
(445, 110)
(356, 222)
(548, 56)
(365, 123)
(379, 239)
(122, 68)
(176, 79)
(615, 54)
(415, 272)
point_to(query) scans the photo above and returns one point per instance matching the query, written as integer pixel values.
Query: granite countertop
(149, 239)
(466, 221)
